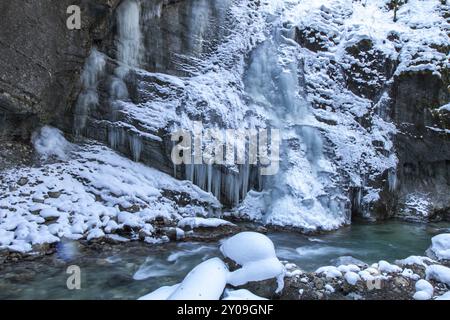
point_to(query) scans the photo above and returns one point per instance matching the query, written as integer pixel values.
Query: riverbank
(112, 269)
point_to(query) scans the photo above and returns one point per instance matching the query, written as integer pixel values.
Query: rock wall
(422, 144)
(350, 80)
(41, 60)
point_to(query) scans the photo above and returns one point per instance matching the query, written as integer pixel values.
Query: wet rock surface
(42, 61)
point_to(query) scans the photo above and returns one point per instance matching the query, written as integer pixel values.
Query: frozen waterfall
(232, 65)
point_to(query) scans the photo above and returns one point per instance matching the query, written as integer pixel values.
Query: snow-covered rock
(386, 267)
(247, 247)
(438, 273)
(352, 277)
(255, 252)
(445, 296)
(415, 260)
(424, 290)
(198, 222)
(329, 288)
(160, 294)
(241, 294)
(329, 271)
(348, 268)
(440, 246)
(95, 192)
(206, 281)
(408, 273)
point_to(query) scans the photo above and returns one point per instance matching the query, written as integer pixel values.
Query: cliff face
(41, 60)
(422, 144)
(370, 134)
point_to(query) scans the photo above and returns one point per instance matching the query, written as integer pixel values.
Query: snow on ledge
(198, 222)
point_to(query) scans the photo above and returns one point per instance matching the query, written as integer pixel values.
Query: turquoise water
(131, 270)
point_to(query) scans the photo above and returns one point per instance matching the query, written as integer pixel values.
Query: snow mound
(414, 260)
(248, 247)
(255, 252)
(50, 142)
(440, 246)
(408, 273)
(438, 273)
(329, 288)
(424, 290)
(197, 222)
(160, 294)
(445, 296)
(329, 271)
(241, 294)
(349, 268)
(352, 277)
(205, 282)
(386, 267)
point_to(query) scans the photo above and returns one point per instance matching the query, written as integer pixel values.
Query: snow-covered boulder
(415, 260)
(348, 268)
(206, 281)
(329, 272)
(255, 252)
(440, 246)
(386, 267)
(247, 247)
(424, 290)
(438, 273)
(352, 278)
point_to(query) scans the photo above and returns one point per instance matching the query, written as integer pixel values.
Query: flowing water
(131, 270)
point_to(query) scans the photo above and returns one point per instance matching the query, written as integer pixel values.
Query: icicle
(210, 172)
(88, 98)
(216, 182)
(129, 41)
(113, 137)
(313, 142)
(200, 175)
(392, 179)
(135, 146)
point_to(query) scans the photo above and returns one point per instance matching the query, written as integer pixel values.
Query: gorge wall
(368, 134)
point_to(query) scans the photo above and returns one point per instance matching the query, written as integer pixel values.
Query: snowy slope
(94, 193)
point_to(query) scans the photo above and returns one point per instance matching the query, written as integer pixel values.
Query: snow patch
(197, 222)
